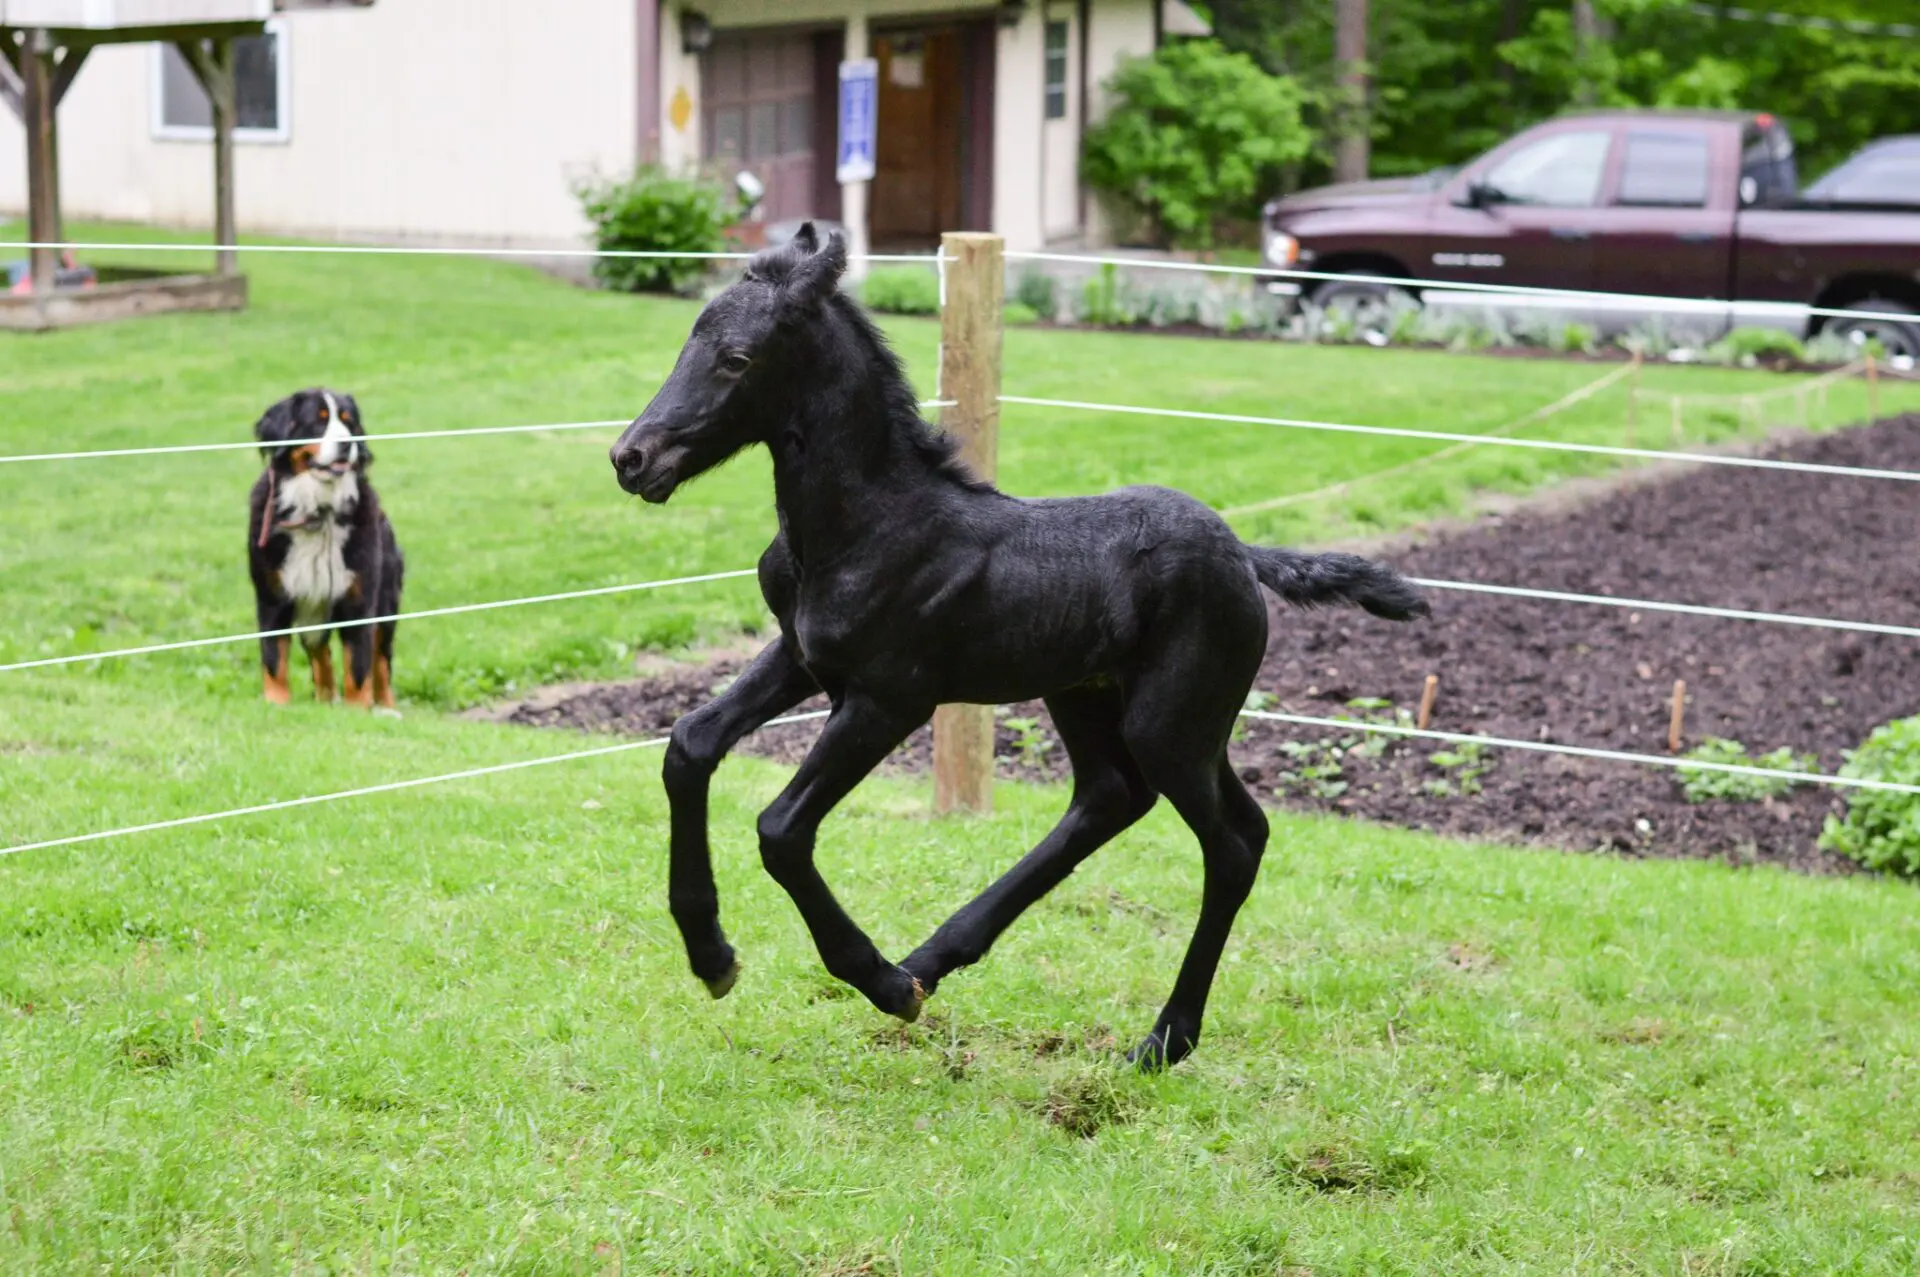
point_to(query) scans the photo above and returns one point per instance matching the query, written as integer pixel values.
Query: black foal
(901, 582)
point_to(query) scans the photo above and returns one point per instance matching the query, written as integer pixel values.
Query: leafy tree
(1452, 77)
(1196, 135)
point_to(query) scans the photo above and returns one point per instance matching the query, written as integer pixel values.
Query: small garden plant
(1705, 785)
(1882, 827)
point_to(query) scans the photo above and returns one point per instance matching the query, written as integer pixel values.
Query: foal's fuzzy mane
(792, 266)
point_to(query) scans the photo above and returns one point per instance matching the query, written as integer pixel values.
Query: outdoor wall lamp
(1011, 11)
(696, 32)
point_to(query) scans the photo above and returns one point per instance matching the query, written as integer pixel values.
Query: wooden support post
(72, 56)
(212, 63)
(970, 330)
(1427, 697)
(43, 177)
(1677, 717)
(1873, 387)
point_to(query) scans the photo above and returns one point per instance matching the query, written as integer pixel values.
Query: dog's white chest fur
(315, 573)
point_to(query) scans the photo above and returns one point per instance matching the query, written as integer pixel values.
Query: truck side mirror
(1482, 194)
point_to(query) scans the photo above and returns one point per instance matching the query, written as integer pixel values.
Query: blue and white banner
(859, 118)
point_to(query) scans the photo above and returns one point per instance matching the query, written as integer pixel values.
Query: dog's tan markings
(321, 659)
(354, 693)
(274, 679)
(382, 682)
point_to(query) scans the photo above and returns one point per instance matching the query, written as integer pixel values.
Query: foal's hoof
(903, 996)
(911, 1011)
(721, 985)
(1162, 1049)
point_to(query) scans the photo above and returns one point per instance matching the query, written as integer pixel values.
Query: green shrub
(1196, 135)
(902, 290)
(654, 212)
(1882, 829)
(1750, 345)
(1018, 315)
(1038, 293)
(1702, 785)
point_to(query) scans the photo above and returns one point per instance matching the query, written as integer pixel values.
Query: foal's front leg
(857, 737)
(773, 684)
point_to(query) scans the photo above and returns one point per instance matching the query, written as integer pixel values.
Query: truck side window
(1664, 170)
(1561, 171)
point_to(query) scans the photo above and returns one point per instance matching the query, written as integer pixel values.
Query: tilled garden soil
(1559, 672)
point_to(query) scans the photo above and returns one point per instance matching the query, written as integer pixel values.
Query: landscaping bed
(1568, 673)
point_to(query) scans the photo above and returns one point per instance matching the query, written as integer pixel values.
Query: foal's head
(741, 372)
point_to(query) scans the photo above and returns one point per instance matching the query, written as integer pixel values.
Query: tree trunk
(1587, 41)
(1352, 121)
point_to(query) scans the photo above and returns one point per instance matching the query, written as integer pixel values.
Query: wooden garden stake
(1677, 720)
(1633, 403)
(1873, 386)
(970, 327)
(1427, 696)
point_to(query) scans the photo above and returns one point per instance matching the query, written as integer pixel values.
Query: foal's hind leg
(773, 684)
(1109, 794)
(1177, 723)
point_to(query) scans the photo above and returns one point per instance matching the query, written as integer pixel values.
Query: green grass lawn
(450, 1029)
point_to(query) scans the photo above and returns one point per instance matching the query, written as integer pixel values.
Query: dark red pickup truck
(1657, 204)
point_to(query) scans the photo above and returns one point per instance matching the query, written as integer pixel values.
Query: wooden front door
(917, 187)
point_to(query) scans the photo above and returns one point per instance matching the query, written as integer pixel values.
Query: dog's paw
(386, 711)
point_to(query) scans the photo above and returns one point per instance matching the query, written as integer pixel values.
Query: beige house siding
(468, 121)
(448, 119)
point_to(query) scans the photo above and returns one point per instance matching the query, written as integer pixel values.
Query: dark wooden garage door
(761, 114)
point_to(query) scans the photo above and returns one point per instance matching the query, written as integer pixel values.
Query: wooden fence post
(970, 328)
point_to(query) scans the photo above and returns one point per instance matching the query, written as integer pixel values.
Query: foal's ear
(818, 273)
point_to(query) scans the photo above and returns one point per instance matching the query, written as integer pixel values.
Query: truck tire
(1898, 333)
(1372, 307)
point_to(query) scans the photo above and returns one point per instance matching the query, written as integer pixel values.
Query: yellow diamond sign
(681, 109)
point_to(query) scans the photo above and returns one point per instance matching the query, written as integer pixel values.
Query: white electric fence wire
(1466, 587)
(1577, 396)
(408, 250)
(1399, 432)
(1302, 720)
(1701, 305)
(416, 782)
(236, 445)
(456, 610)
(1683, 609)
(1585, 751)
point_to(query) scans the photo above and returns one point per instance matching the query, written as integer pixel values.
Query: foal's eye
(736, 363)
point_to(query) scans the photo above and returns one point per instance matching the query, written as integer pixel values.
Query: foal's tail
(1317, 580)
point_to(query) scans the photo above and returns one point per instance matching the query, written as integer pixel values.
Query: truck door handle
(1696, 237)
(1571, 232)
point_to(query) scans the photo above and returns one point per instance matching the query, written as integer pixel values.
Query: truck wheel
(1898, 333)
(1372, 309)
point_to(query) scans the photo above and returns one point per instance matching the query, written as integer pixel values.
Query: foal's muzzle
(647, 470)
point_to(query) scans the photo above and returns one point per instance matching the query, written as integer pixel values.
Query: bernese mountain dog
(322, 550)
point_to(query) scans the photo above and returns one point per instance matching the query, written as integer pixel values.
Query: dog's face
(316, 433)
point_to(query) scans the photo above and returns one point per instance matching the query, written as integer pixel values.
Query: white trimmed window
(262, 92)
